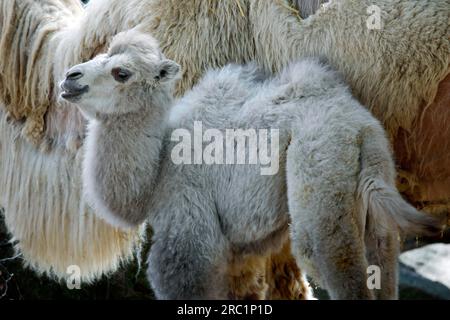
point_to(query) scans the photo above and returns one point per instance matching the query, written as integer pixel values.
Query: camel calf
(332, 187)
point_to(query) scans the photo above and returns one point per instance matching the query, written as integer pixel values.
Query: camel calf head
(112, 83)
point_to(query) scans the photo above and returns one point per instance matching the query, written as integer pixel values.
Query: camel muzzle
(71, 89)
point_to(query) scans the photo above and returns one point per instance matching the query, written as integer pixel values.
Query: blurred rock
(426, 272)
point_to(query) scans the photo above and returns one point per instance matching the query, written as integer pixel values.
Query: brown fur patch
(284, 278)
(423, 155)
(247, 278)
(275, 277)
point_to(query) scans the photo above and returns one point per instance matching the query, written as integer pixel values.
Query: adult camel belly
(423, 156)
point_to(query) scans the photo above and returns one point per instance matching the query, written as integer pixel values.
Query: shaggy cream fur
(44, 212)
(407, 58)
(40, 190)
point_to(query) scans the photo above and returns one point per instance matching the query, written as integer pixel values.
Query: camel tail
(380, 198)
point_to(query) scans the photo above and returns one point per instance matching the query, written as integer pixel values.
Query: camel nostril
(74, 75)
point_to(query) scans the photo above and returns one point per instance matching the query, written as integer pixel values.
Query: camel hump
(310, 74)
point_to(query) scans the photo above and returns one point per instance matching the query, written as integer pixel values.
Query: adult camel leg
(284, 278)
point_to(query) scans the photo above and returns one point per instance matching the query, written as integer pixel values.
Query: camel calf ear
(168, 70)
(308, 7)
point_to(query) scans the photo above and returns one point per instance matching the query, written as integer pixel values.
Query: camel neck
(149, 118)
(124, 154)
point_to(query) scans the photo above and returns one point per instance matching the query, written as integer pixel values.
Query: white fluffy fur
(335, 164)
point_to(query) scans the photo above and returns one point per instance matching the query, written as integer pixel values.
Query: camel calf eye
(121, 75)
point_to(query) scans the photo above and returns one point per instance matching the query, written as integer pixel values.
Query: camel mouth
(72, 91)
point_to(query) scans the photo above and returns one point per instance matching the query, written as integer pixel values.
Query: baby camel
(334, 191)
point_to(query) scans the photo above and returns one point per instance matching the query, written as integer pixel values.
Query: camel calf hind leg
(382, 252)
(327, 230)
